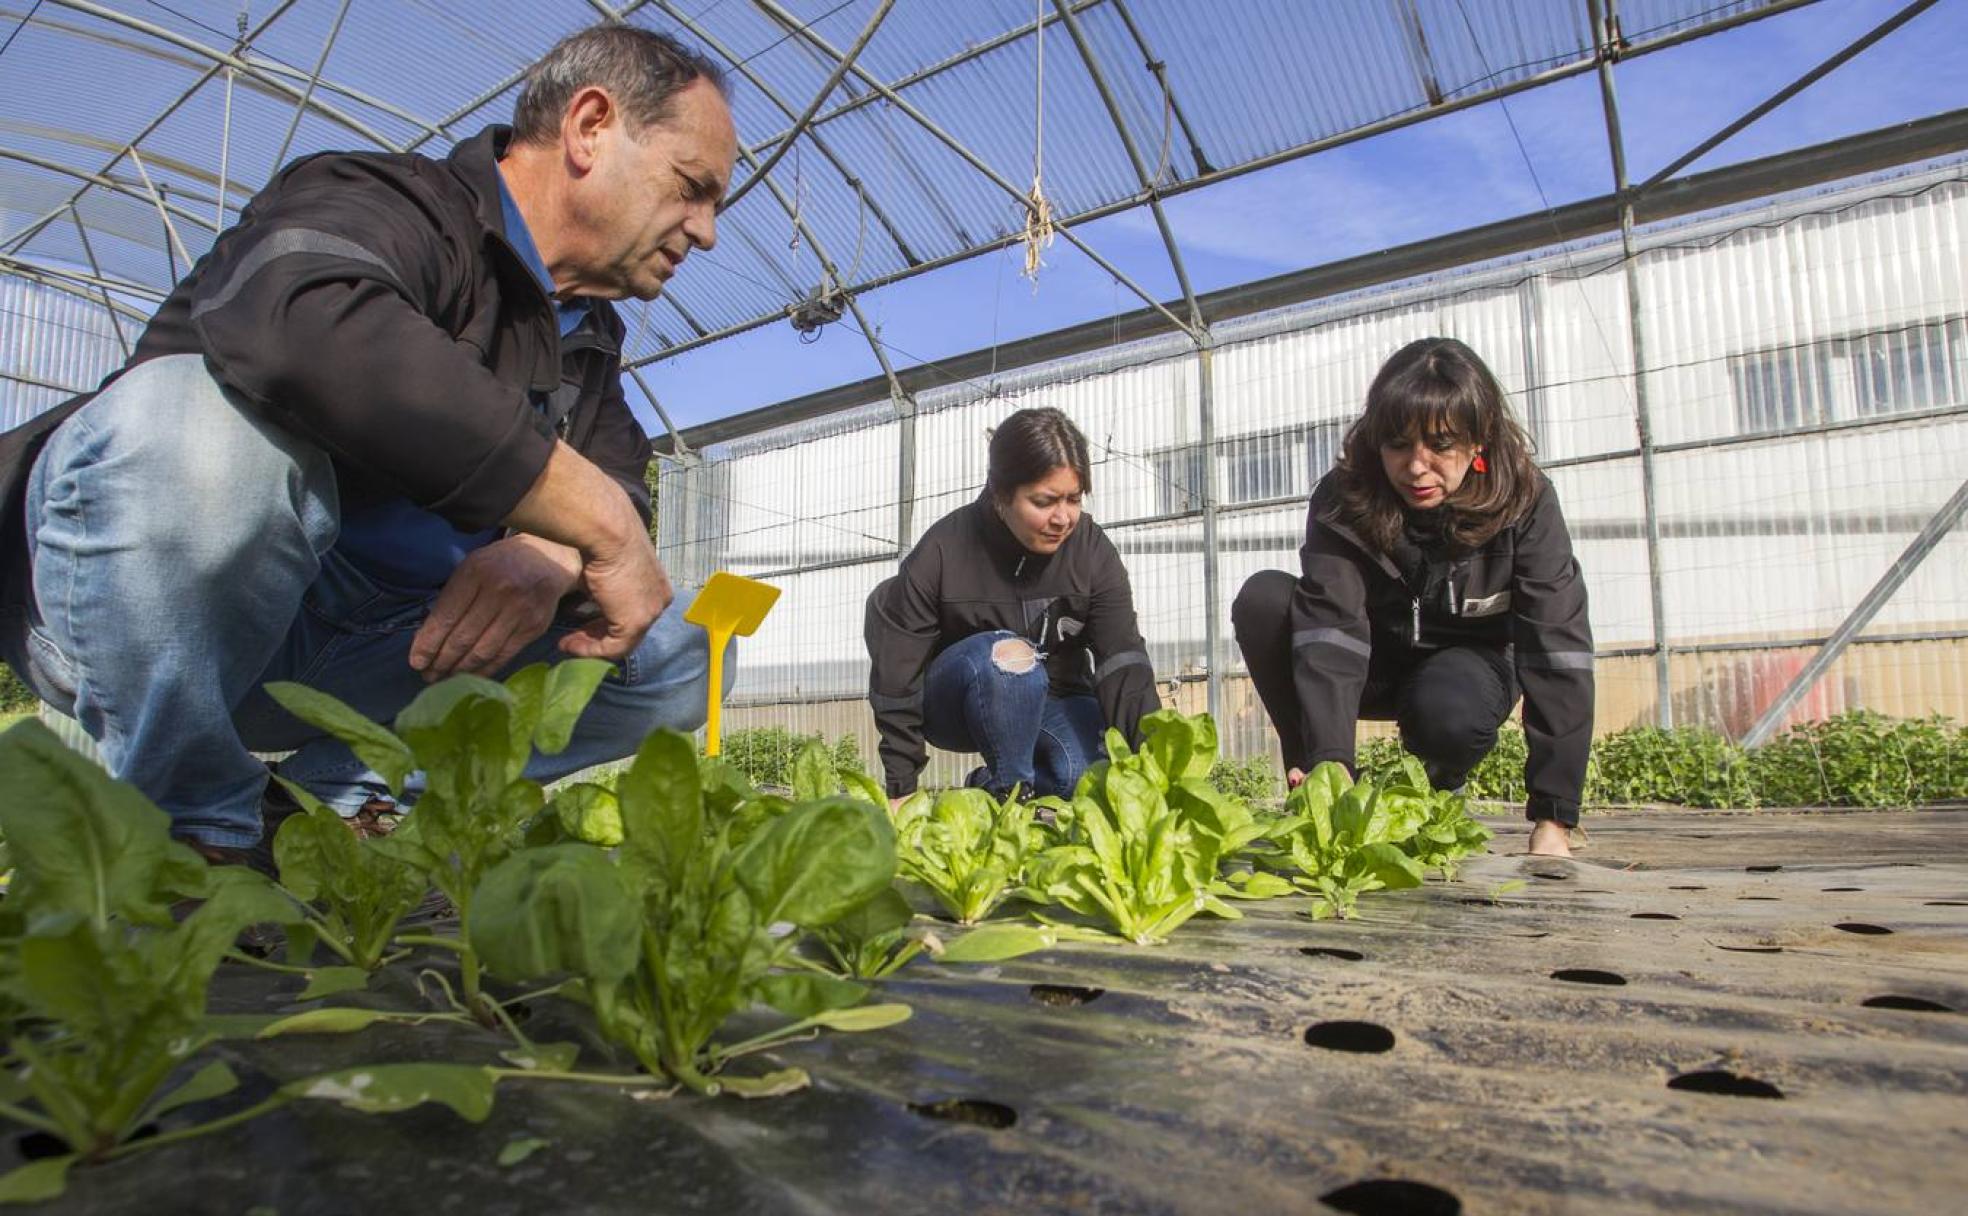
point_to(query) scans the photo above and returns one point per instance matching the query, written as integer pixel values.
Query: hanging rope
(1038, 209)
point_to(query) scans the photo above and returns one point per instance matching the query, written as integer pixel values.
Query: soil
(1747, 1063)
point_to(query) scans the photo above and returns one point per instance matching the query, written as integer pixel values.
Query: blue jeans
(999, 704)
(184, 556)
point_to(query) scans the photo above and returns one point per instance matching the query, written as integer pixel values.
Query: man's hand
(1294, 778)
(577, 504)
(632, 589)
(498, 600)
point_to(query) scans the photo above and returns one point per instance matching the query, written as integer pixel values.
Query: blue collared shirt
(400, 543)
(570, 313)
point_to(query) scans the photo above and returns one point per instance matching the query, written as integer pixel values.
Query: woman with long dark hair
(1437, 584)
(1010, 630)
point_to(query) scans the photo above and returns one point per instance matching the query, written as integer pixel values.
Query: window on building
(1893, 371)
(1260, 467)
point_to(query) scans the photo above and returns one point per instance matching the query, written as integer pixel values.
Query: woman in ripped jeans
(1010, 630)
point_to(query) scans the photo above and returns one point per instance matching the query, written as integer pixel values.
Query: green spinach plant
(1344, 838)
(471, 738)
(1131, 857)
(104, 991)
(965, 848)
(677, 931)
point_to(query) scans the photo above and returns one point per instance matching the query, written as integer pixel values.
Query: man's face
(652, 195)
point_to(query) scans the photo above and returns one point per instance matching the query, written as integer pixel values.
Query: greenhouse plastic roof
(131, 130)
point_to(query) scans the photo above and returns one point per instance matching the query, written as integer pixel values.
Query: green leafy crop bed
(1155, 996)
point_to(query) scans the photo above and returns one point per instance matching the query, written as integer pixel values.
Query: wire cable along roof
(893, 136)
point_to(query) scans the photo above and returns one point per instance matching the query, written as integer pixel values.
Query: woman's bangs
(1425, 415)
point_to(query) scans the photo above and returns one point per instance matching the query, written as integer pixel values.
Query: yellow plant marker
(729, 604)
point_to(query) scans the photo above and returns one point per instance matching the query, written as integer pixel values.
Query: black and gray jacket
(968, 575)
(1522, 592)
(371, 304)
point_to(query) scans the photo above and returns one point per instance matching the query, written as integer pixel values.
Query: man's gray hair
(642, 69)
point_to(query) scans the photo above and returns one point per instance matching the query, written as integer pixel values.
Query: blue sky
(1446, 174)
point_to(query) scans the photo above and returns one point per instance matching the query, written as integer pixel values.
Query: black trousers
(1448, 703)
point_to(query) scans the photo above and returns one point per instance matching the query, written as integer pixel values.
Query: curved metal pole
(772, 9)
(65, 280)
(744, 69)
(109, 306)
(106, 183)
(1141, 175)
(1787, 92)
(28, 233)
(1604, 26)
(226, 59)
(819, 99)
(314, 79)
(506, 82)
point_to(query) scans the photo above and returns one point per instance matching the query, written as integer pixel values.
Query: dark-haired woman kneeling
(1010, 630)
(1438, 581)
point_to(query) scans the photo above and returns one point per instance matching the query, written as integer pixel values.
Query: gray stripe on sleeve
(279, 245)
(1556, 660)
(1115, 662)
(1331, 637)
(880, 702)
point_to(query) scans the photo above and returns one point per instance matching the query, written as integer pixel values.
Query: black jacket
(1522, 591)
(968, 575)
(371, 304)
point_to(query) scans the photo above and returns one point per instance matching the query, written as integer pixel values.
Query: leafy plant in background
(1252, 781)
(104, 992)
(15, 697)
(766, 755)
(1131, 857)
(471, 738)
(1687, 766)
(1863, 759)
(1344, 837)
(674, 934)
(965, 848)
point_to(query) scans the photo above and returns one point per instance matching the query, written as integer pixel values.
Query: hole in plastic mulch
(39, 1146)
(1362, 1037)
(1912, 1004)
(1749, 949)
(1392, 1197)
(1339, 952)
(1725, 1084)
(975, 1111)
(1828, 889)
(1762, 869)
(1687, 888)
(1065, 994)
(1586, 975)
(1947, 903)
(1768, 899)
(1860, 927)
(1653, 916)
(1551, 875)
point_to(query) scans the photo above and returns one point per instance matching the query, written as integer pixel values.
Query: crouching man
(377, 437)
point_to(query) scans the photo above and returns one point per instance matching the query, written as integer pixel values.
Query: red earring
(1479, 464)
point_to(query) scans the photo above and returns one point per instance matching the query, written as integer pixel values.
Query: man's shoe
(374, 818)
(254, 856)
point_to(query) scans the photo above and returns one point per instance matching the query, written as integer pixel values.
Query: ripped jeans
(992, 695)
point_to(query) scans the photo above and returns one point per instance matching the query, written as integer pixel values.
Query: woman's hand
(1549, 838)
(1294, 777)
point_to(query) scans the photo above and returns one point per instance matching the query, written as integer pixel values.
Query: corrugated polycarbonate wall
(53, 345)
(1806, 376)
